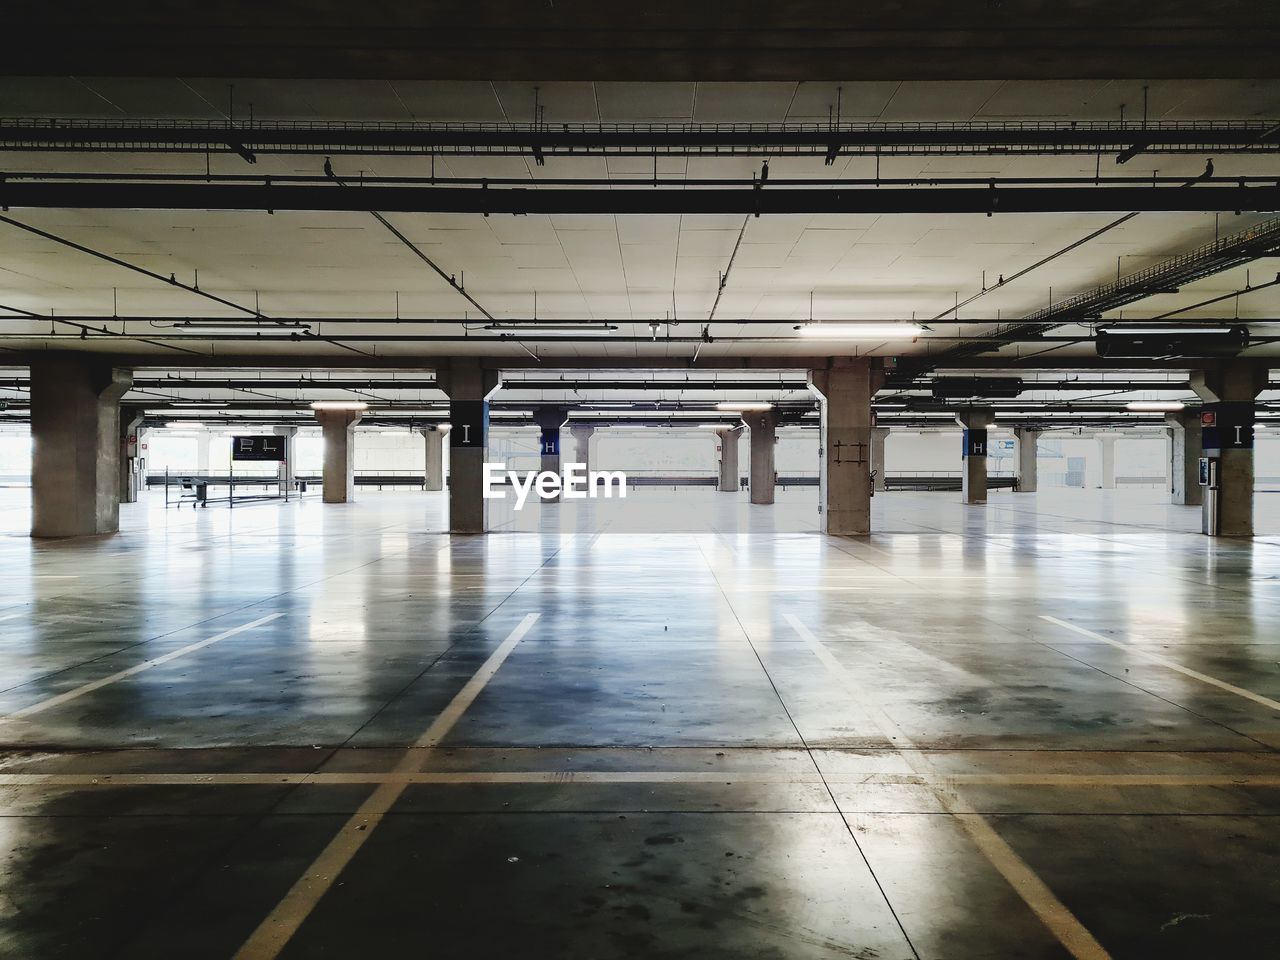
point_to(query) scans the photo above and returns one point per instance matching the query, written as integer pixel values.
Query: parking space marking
(80, 691)
(1042, 901)
(1137, 650)
(283, 922)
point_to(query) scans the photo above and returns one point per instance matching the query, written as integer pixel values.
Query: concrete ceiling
(337, 268)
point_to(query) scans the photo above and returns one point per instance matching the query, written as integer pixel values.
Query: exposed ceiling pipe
(1235, 294)
(370, 180)
(413, 247)
(172, 280)
(351, 137)
(85, 329)
(1005, 281)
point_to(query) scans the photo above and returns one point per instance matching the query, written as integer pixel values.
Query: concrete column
(727, 442)
(845, 389)
(75, 472)
(339, 428)
(1028, 463)
(130, 421)
(1107, 451)
(582, 443)
(433, 437)
(878, 437)
(550, 420)
(1184, 458)
(975, 421)
(763, 425)
(289, 465)
(202, 450)
(468, 387)
(1229, 392)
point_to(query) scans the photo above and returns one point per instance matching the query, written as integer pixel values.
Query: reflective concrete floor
(1044, 729)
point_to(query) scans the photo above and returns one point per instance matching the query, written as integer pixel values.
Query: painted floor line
(1166, 662)
(1042, 901)
(278, 928)
(134, 670)
(572, 777)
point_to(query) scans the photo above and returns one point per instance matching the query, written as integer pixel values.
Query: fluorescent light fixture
(860, 331)
(253, 327)
(1155, 406)
(715, 426)
(744, 406)
(553, 328)
(339, 405)
(182, 424)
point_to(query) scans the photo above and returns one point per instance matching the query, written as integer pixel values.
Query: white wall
(15, 453)
(656, 450)
(382, 450)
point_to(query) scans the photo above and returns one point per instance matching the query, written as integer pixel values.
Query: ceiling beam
(638, 200)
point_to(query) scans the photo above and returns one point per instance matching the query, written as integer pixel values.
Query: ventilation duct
(945, 388)
(1163, 343)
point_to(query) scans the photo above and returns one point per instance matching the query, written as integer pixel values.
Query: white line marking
(1053, 913)
(278, 928)
(1166, 662)
(578, 777)
(139, 668)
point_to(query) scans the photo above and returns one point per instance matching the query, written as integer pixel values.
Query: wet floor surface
(1050, 729)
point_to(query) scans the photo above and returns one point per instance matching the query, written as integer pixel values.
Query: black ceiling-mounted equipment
(963, 387)
(1161, 343)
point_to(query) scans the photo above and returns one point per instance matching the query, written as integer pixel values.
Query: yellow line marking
(278, 928)
(132, 671)
(727, 777)
(1053, 913)
(1166, 662)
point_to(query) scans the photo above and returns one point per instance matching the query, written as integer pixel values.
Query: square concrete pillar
(288, 466)
(433, 435)
(844, 390)
(1184, 457)
(468, 386)
(1028, 462)
(727, 445)
(582, 434)
(550, 420)
(339, 427)
(203, 441)
(75, 470)
(1107, 455)
(1230, 392)
(763, 425)
(976, 422)
(130, 420)
(879, 436)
